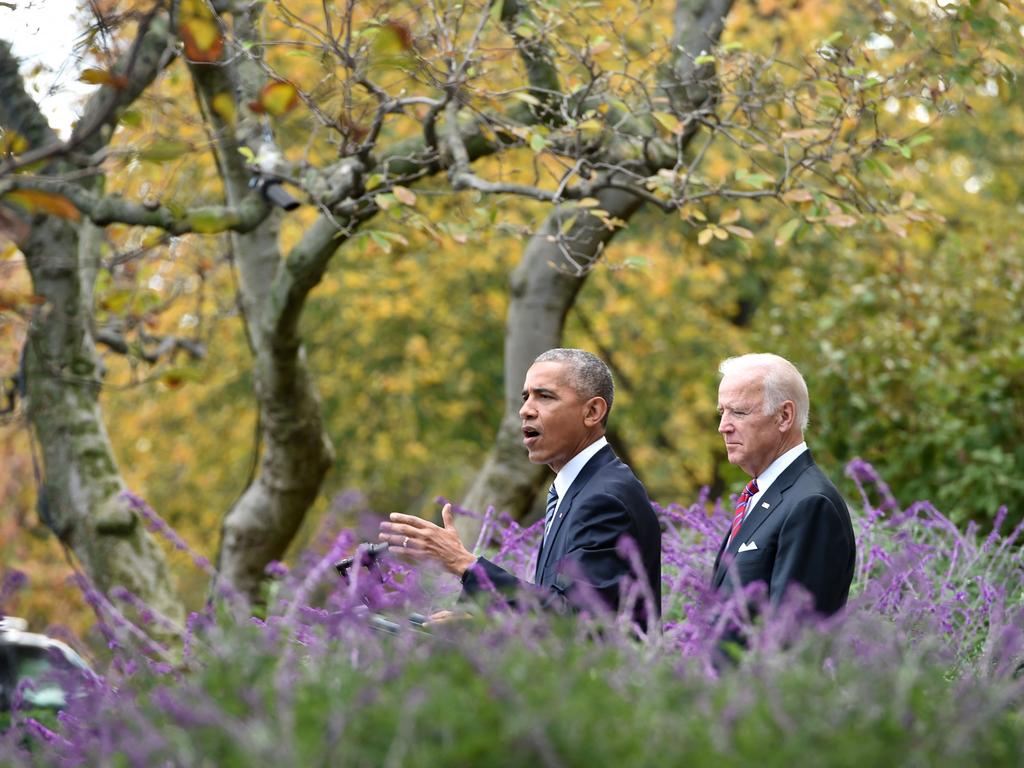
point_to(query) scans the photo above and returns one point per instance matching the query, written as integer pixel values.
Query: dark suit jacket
(802, 530)
(604, 503)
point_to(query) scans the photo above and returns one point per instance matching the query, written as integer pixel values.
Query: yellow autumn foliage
(404, 334)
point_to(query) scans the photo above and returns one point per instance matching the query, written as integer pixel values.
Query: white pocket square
(747, 547)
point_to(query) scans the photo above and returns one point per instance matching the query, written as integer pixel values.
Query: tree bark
(82, 494)
(296, 451)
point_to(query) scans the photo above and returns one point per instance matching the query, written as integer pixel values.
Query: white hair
(781, 382)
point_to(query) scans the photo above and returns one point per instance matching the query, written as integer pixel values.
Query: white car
(38, 667)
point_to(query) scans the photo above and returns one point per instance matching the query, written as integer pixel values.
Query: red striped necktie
(741, 509)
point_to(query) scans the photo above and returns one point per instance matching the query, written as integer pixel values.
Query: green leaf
(879, 166)
(753, 179)
(131, 118)
(786, 232)
(380, 241)
(527, 98)
(537, 142)
(496, 9)
(116, 300)
(208, 222)
(668, 121)
(165, 150)
(743, 232)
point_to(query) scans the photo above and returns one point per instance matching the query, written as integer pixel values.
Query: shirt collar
(777, 467)
(568, 473)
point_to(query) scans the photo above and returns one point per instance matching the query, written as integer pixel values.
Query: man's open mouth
(530, 435)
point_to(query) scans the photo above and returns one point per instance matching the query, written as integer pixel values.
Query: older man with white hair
(790, 525)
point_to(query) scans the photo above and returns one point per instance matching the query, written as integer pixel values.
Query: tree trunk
(296, 451)
(542, 289)
(83, 501)
(82, 497)
(296, 455)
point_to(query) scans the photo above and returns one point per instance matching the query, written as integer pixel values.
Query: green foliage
(908, 328)
(556, 699)
(911, 341)
(919, 370)
(407, 344)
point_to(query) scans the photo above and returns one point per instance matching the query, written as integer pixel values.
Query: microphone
(367, 554)
(274, 193)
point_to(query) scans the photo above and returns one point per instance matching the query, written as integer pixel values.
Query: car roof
(12, 632)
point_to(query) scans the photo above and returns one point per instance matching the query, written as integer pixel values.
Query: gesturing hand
(421, 538)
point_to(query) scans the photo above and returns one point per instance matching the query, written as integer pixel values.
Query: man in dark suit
(594, 502)
(790, 525)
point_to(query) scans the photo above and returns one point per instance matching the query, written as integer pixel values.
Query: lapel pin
(766, 505)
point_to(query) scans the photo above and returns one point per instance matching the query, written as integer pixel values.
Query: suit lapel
(604, 456)
(767, 504)
(719, 573)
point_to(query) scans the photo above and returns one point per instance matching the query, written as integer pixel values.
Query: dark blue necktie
(549, 515)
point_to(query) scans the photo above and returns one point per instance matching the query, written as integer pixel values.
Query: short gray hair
(588, 375)
(781, 382)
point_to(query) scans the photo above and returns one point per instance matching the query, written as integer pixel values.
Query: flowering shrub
(923, 667)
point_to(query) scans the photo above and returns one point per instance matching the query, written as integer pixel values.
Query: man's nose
(724, 425)
(525, 410)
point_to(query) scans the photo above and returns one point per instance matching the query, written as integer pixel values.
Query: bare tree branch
(151, 51)
(110, 209)
(166, 346)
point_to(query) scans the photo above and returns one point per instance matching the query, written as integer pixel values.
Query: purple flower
(276, 569)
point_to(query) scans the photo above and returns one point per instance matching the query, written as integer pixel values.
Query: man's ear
(596, 410)
(787, 416)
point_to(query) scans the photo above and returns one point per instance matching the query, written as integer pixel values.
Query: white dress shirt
(568, 473)
(771, 474)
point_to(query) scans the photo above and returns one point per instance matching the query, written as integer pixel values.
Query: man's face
(753, 439)
(557, 423)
